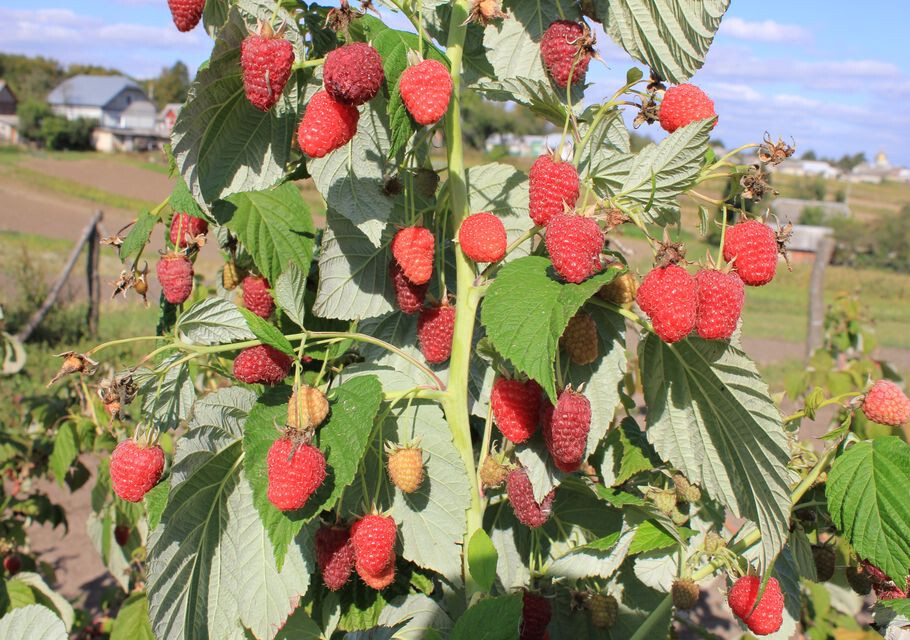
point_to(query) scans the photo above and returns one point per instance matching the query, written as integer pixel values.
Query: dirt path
(107, 174)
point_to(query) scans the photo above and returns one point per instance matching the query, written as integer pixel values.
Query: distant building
(9, 121)
(8, 100)
(818, 168)
(804, 240)
(126, 118)
(528, 146)
(875, 172)
(167, 118)
(791, 209)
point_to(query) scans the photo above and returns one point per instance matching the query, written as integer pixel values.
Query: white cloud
(764, 31)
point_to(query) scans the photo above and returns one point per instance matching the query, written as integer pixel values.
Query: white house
(818, 168)
(9, 121)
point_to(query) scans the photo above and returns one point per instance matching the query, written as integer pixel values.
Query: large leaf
(132, 622)
(213, 321)
(46, 596)
(609, 139)
(33, 622)
(868, 500)
(167, 392)
(670, 36)
(526, 310)
(274, 226)
(710, 416)
(414, 616)
(222, 143)
(490, 619)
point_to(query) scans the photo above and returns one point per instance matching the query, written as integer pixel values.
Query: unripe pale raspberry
(685, 491)
(186, 13)
(185, 228)
(405, 467)
(295, 471)
(768, 615)
(575, 244)
(552, 186)
(334, 555)
(482, 237)
(566, 432)
(515, 405)
(175, 273)
(621, 290)
(603, 608)
(266, 62)
(261, 364)
(435, 328)
(326, 125)
(413, 249)
(521, 496)
(257, 297)
(535, 616)
(230, 276)
(373, 538)
(684, 104)
(885, 403)
(565, 50)
(580, 339)
(685, 594)
(135, 469)
(669, 296)
(426, 89)
(720, 303)
(492, 472)
(307, 408)
(664, 500)
(408, 296)
(752, 247)
(353, 73)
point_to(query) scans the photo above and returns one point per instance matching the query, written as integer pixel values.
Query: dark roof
(91, 91)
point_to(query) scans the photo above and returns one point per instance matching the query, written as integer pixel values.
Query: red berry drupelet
(684, 104)
(886, 403)
(334, 555)
(295, 472)
(426, 89)
(256, 296)
(566, 44)
(521, 496)
(752, 247)
(566, 430)
(768, 615)
(575, 244)
(175, 273)
(408, 295)
(353, 73)
(435, 328)
(535, 616)
(413, 249)
(186, 13)
(482, 237)
(135, 469)
(326, 125)
(515, 405)
(261, 364)
(184, 228)
(720, 303)
(669, 296)
(266, 62)
(553, 186)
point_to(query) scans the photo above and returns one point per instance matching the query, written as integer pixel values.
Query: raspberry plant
(401, 505)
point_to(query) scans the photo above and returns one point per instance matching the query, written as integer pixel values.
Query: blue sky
(833, 75)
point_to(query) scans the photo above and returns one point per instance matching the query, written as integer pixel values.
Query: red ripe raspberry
(413, 248)
(186, 13)
(482, 237)
(720, 303)
(684, 104)
(334, 555)
(261, 364)
(175, 273)
(754, 247)
(535, 616)
(435, 327)
(12, 563)
(669, 296)
(381, 579)
(521, 496)
(373, 538)
(353, 73)
(552, 186)
(295, 472)
(884, 587)
(256, 296)
(326, 125)
(768, 615)
(408, 295)
(566, 432)
(425, 90)
(564, 44)
(266, 62)
(189, 226)
(885, 403)
(516, 406)
(135, 469)
(574, 244)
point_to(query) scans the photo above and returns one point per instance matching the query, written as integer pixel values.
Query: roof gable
(90, 91)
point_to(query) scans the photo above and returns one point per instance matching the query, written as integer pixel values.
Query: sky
(833, 75)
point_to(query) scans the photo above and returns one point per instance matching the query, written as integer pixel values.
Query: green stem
(835, 400)
(303, 64)
(112, 343)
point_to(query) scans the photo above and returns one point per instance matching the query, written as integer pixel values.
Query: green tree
(31, 112)
(170, 85)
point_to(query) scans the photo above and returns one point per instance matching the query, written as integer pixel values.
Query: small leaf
(64, 453)
(490, 619)
(482, 558)
(213, 321)
(138, 235)
(633, 75)
(182, 201)
(626, 453)
(266, 332)
(132, 622)
(650, 536)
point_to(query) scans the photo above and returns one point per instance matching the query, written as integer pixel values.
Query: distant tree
(31, 112)
(809, 155)
(638, 141)
(59, 133)
(91, 70)
(813, 216)
(30, 78)
(170, 86)
(849, 162)
(483, 118)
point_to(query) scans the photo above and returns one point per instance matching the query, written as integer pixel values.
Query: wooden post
(815, 334)
(38, 316)
(92, 276)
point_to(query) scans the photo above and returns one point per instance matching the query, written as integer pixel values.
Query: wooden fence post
(815, 334)
(92, 276)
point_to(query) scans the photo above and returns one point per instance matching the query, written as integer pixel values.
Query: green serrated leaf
(64, 453)
(269, 334)
(626, 453)
(633, 75)
(182, 200)
(138, 235)
(156, 501)
(274, 226)
(526, 310)
(132, 622)
(213, 321)
(490, 619)
(868, 501)
(900, 606)
(650, 536)
(167, 392)
(34, 622)
(482, 559)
